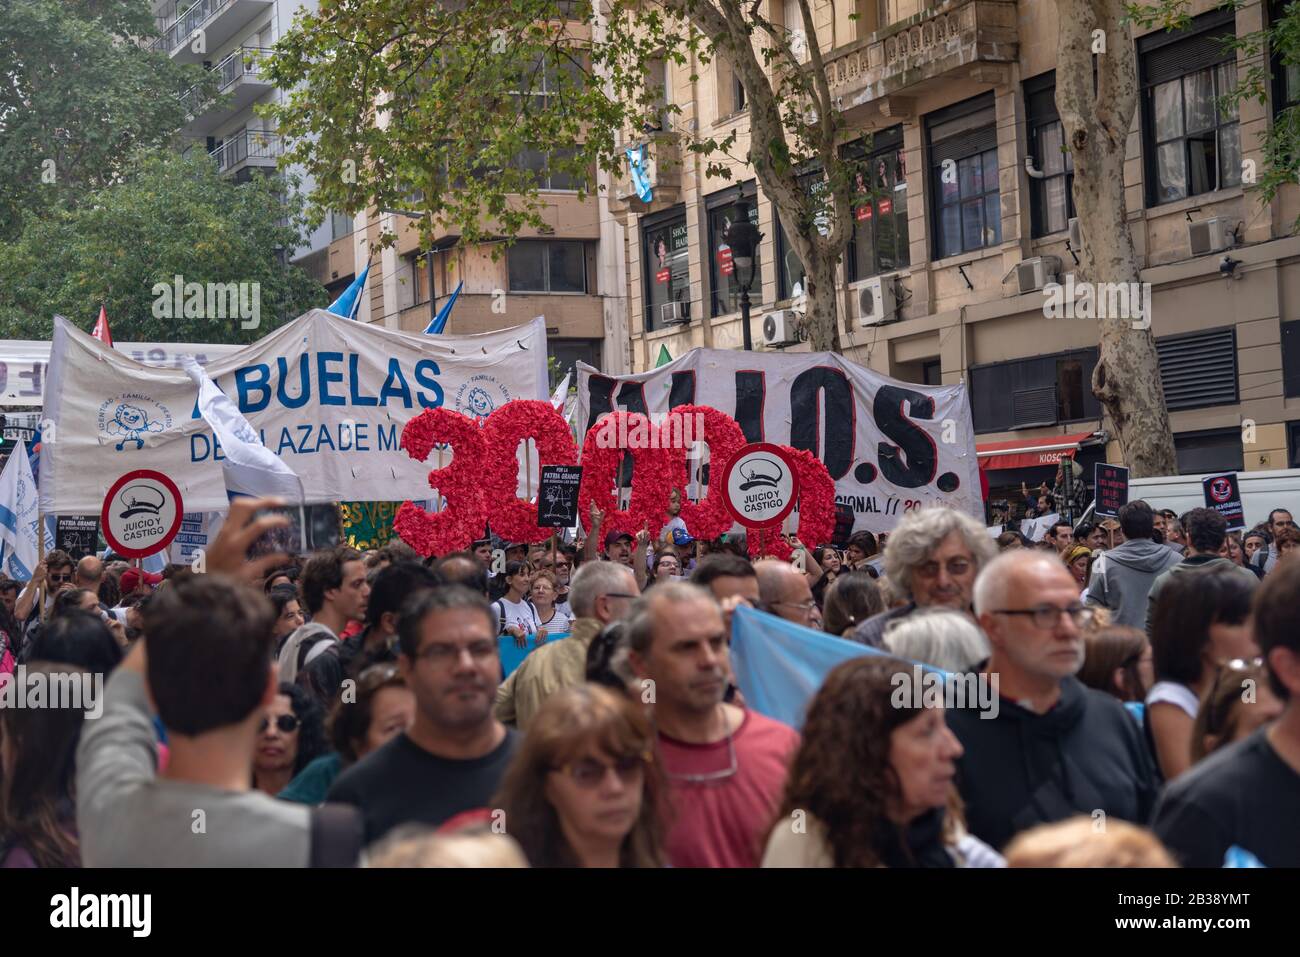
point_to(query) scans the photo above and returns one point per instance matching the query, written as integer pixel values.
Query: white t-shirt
(671, 526)
(559, 623)
(1171, 692)
(519, 614)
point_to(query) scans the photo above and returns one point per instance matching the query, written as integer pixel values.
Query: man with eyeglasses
(1266, 558)
(932, 557)
(602, 593)
(726, 766)
(452, 757)
(1123, 581)
(1053, 748)
(1240, 803)
(783, 590)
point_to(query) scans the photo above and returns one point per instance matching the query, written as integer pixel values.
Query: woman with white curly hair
(933, 557)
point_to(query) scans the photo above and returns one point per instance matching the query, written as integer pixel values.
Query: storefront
(1033, 462)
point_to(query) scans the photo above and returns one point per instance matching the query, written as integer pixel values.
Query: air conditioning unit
(675, 313)
(1076, 235)
(875, 300)
(1210, 235)
(1033, 274)
(779, 328)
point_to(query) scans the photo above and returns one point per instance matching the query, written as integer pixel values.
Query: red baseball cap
(132, 577)
(613, 535)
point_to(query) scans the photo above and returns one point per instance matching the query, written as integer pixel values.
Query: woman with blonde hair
(585, 788)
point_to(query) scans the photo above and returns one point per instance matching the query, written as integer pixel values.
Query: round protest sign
(762, 485)
(142, 513)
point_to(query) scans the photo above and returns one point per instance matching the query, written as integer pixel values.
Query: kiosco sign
(142, 513)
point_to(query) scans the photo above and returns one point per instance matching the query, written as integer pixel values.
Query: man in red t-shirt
(726, 766)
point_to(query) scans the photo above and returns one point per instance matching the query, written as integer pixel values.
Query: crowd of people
(345, 707)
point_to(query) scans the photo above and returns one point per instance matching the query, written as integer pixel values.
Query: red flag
(101, 328)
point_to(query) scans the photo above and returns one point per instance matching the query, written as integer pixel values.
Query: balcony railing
(251, 147)
(244, 63)
(186, 23)
(957, 35)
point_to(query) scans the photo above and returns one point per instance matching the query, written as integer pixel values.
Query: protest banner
(368, 524)
(889, 446)
(1111, 483)
(1223, 494)
(78, 535)
(328, 396)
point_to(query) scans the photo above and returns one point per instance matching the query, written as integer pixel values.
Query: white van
(1261, 492)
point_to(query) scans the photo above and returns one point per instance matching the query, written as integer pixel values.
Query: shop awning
(1028, 453)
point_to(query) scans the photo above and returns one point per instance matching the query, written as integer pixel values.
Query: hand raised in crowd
(521, 636)
(643, 537)
(227, 555)
(597, 516)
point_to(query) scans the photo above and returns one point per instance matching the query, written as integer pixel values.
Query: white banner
(891, 446)
(23, 363)
(328, 395)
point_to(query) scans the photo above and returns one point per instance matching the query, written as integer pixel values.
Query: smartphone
(310, 527)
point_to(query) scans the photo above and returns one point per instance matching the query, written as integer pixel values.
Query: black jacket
(1021, 769)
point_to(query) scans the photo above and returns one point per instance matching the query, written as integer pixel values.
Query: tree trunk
(1127, 378)
(821, 321)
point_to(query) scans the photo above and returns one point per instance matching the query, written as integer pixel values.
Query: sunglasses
(587, 773)
(287, 723)
(60, 579)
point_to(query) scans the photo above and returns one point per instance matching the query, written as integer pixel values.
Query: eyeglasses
(955, 567)
(588, 773)
(287, 723)
(803, 606)
(442, 655)
(60, 579)
(618, 594)
(711, 776)
(1046, 616)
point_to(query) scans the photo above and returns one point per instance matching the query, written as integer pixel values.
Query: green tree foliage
(80, 95)
(172, 215)
(443, 107)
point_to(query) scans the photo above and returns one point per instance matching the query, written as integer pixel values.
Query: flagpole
(40, 555)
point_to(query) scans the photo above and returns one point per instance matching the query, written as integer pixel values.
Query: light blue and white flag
(779, 666)
(347, 304)
(249, 467)
(19, 516)
(640, 178)
(561, 393)
(439, 322)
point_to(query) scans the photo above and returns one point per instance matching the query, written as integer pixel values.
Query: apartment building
(231, 38)
(942, 281)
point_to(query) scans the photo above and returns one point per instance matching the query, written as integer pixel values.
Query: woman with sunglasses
(291, 736)
(1199, 622)
(383, 709)
(1240, 701)
(872, 783)
(584, 790)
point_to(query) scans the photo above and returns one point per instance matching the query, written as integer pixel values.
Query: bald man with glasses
(1052, 748)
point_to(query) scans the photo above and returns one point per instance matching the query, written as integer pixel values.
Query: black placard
(1224, 496)
(78, 535)
(557, 496)
(1112, 489)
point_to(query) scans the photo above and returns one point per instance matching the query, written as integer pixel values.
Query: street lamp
(743, 238)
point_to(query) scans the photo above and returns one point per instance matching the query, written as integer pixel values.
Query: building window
(963, 142)
(931, 372)
(879, 242)
(340, 225)
(1199, 369)
(547, 266)
(1286, 76)
(548, 166)
(792, 277)
(1214, 450)
(1052, 197)
(723, 280)
(1044, 390)
(1192, 144)
(1291, 359)
(666, 253)
(1293, 441)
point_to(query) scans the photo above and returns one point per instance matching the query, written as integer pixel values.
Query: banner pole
(40, 557)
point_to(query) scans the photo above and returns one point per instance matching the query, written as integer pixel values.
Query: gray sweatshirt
(129, 817)
(1125, 578)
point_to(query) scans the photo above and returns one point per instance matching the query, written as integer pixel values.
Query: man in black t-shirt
(452, 758)
(1247, 795)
